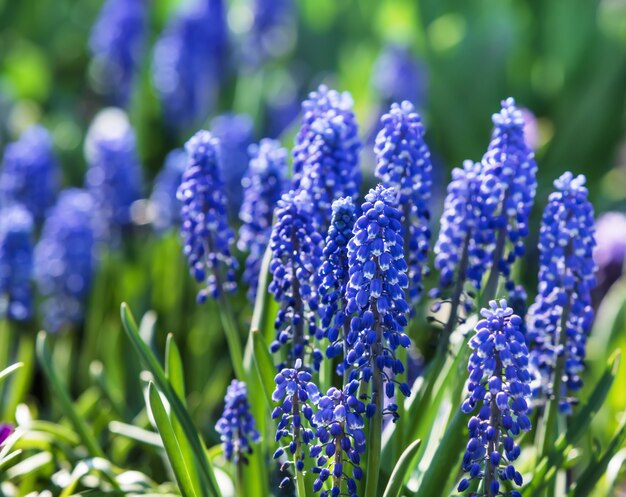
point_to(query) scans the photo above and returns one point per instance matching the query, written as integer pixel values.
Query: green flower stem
(374, 442)
(232, 336)
(494, 275)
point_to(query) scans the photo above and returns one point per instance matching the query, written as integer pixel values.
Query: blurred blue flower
(16, 263)
(114, 176)
(235, 135)
(465, 235)
(498, 385)
(263, 185)
(509, 165)
(296, 257)
(566, 278)
(116, 43)
(403, 163)
(340, 432)
(5, 431)
(376, 291)
(326, 152)
(30, 172)
(610, 252)
(163, 199)
(65, 259)
(205, 231)
(334, 276)
(296, 394)
(398, 75)
(271, 34)
(237, 427)
(188, 60)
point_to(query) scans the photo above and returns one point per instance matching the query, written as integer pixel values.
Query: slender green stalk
(239, 483)
(232, 336)
(491, 287)
(376, 424)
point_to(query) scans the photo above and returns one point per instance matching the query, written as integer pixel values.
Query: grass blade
(401, 470)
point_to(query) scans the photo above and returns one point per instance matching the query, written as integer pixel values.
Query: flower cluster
(114, 176)
(187, 61)
(116, 43)
(296, 393)
(28, 158)
(270, 34)
(509, 165)
(263, 185)
(235, 135)
(236, 426)
(339, 430)
(16, 263)
(65, 259)
(562, 314)
(498, 385)
(326, 153)
(205, 231)
(165, 205)
(399, 76)
(296, 257)
(403, 163)
(464, 238)
(334, 275)
(375, 291)
(610, 252)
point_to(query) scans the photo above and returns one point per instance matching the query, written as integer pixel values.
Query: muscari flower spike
(30, 172)
(403, 163)
(263, 185)
(566, 278)
(165, 205)
(237, 427)
(235, 135)
(326, 152)
(376, 292)
(205, 231)
(296, 394)
(114, 176)
(499, 387)
(116, 43)
(65, 259)
(187, 61)
(465, 237)
(510, 167)
(610, 252)
(16, 263)
(398, 75)
(296, 257)
(334, 276)
(270, 33)
(341, 440)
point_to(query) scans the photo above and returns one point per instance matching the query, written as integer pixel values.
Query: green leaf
(172, 448)
(11, 369)
(586, 481)
(447, 456)
(174, 367)
(401, 471)
(61, 394)
(264, 365)
(544, 470)
(178, 409)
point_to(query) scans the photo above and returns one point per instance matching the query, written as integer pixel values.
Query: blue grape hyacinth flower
(510, 167)
(403, 163)
(187, 61)
(297, 395)
(376, 295)
(235, 134)
(116, 43)
(114, 177)
(465, 238)
(339, 429)
(398, 75)
(566, 279)
(263, 185)
(206, 235)
(16, 263)
(30, 172)
(165, 205)
(65, 260)
(334, 277)
(236, 426)
(326, 152)
(499, 387)
(296, 257)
